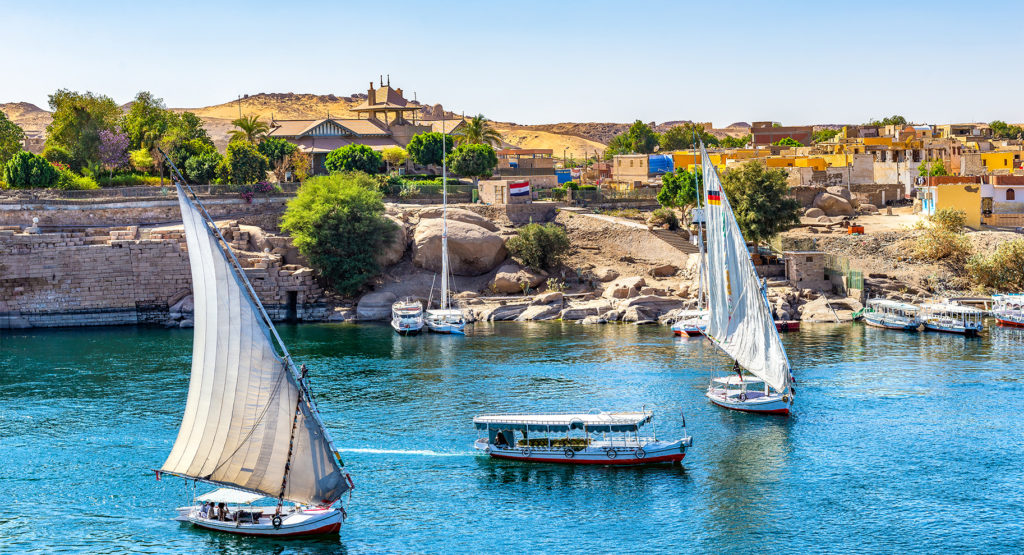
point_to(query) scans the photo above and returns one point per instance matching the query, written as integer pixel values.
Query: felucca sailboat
(250, 425)
(740, 322)
(447, 318)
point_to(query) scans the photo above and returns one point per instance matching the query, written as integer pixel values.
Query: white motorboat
(447, 318)
(740, 321)
(604, 438)
(1009, 309)
(407, 316)
(952, 318)
(251, 425)
(691, 323)
(891, 315)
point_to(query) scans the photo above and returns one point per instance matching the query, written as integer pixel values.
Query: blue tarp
(659, 163)
(564, 176)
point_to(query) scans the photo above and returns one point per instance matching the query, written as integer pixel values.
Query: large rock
(375, 306)
(472, 250)
(638, 315)
(834, 205)
(395, 250)
(665, 270)
(458, 215)
(549, 298)
(654, 305)
(185, 305)
(540, 312)
(814, 213)
(505, 312)
(623, 288)
(579, 311)
(511, 278)
(605, 274)
(593, 320)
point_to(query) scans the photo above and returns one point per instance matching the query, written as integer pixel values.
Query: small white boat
(691, 323)
(1009, 309)
(407, 317)
(892, 315)
(747, 394)
(952, 318)
(450, 320)
(242, 517)
(605, 438)
(447, 318)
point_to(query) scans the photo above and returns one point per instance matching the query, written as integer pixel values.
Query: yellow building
(1003, 160)
(959, 196)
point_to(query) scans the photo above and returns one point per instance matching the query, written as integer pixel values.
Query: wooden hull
(1002, 321)
(962, 330)
(787, 325)
(450, 329)
(890, 324)
(308, 523)
(660, 452)
(404, 330)
(772, 404)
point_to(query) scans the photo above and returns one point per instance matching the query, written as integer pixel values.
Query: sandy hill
(29, 117)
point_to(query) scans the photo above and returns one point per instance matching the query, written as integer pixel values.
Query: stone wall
(124, 276)
(876, 193)
(150, 212)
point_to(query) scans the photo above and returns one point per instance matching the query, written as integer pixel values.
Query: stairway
(677, 240)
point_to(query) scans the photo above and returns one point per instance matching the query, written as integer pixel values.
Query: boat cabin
(952, 317)
(557, 431)
(742, 388)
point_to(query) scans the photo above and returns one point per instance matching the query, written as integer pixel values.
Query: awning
(227, 495)
(558, 422)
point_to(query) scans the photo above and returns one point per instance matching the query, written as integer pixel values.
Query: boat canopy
(887, 304)
(230, 496)
(1013, 299)
(736, 380)
(563, 422)
(934, 308)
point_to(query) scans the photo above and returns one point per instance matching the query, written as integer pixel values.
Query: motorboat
(449, 320)
(603, 438)
(952, 318)
(747, 393)
(892, 315)
(690, 323)
(407, 316)
(1009, 309)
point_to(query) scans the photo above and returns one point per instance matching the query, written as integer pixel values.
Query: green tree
(192, 128)
(276, 149)
(425, 149)
(638, 139)
(619, 144)
(78, 119)
(473, 160)
(10, 139)
(541, 247)
(245, 164)
(477, 130)
(337, 223)
(249, 129)
(395, 156)
(824, 135)
(760, 200)
(202, 169)
(685, 136)
(735, 142)
(1003, 130)
(60, 155)
(146, 121)
(680, 188)
(787, 141)
(25, 170)
(354, 158)
(891, 120)
(932, 167)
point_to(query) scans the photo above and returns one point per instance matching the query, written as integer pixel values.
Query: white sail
(245, 423)
(740, 321)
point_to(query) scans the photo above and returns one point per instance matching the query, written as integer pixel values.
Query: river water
(900, 442)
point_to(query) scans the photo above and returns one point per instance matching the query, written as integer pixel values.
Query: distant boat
(407, 316)
(251, 426)
(1009, 309)
(447, 318)
(952, 318)
(605, 438)
(740, 322)
(892, 315)
(693, 322)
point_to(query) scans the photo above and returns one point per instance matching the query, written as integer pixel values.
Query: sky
(795, 62)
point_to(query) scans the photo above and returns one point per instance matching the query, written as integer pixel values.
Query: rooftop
(562, 422)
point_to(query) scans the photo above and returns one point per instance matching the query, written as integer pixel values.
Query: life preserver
(569, 453)
(276, 521)
(640, 453)
(525, 451)
(743, 396)
(610, 453)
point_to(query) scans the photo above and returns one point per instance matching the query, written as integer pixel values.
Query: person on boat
(500, 440)
(205, 511)
(223, 514)
(739, 371)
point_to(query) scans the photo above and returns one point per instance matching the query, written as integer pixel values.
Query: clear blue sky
(536, 62)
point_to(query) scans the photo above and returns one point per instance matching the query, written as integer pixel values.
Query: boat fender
(785, 398)
(640, 453)
(610, 453)
(743, 396)
(276, 521)
(569, 453)
(525, 451)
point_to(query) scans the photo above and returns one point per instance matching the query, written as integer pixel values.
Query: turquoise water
(900, 442)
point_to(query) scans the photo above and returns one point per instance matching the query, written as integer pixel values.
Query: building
(764, 133)
(630, 169)
(959, 193)
(806, 270)
(386, 119)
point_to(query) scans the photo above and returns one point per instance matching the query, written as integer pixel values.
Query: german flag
(714, 197)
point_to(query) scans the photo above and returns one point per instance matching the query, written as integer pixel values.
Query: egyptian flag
(520, 189)
(714, 197)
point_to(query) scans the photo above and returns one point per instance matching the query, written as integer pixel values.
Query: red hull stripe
(1009, 323)
(774, 411)
(327, 529)
(652, 460)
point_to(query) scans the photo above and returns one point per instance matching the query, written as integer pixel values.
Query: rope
(288, 461)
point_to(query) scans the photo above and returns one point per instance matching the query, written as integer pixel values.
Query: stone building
(806, 270)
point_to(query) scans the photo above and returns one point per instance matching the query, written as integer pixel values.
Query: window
(810, 259)
(1010, 195)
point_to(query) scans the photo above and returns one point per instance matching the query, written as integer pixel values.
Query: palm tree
(478, 131)
(250, 129)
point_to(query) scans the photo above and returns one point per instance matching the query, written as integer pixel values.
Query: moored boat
(691, 323)
(602, 438)
(952, 318)
(251, 425)
(407, 316)
(1009, 309)
(447, 318)
(892, 315)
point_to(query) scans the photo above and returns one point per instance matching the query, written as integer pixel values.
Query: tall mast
(700, 226)
(444, 220)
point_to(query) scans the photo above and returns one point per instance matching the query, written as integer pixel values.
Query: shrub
(245, 164)
(571, 185)
(26, 170)
(426, 148)
(389, 185)
(202, 169)
(664, 216)
(936, 243)
(127, 180)
(541, 247)
(1001, 270)
(588, 187)
(473, 160)
(558, 193)
(141, 160)
(949, 219)
(54, 153)
(68, 181)
(354, 158)
(338, 225)
(276, 149)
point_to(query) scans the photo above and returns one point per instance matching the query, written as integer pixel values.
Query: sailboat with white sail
(694, 322)
(251, 426)
(447, 318)
(740, 322)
